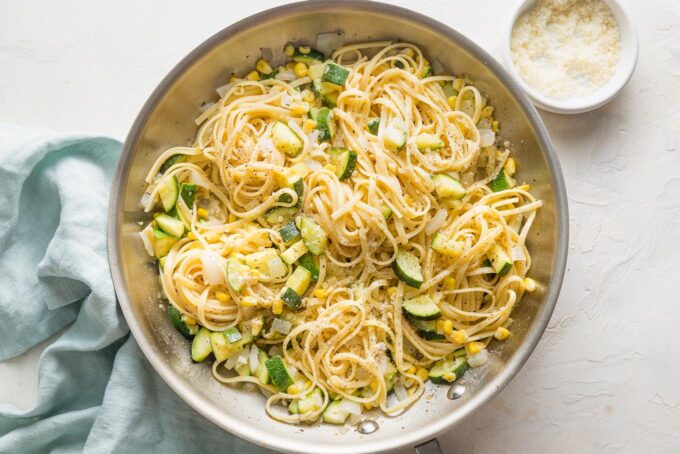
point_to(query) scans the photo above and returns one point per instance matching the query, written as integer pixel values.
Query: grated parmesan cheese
(566, 48)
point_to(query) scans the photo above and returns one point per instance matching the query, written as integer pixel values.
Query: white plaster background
(606, 376)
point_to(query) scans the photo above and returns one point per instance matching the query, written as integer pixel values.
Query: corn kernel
(304, 49)
(290, 66)
(191, 235)
(440, 326)
(451, 100)
(473, 348)
(293, 389)
(367, 406)
(277, 307)
(300, 109)
(529, 284)
(408, 199)
(289, 50)
(222, 297)
(202, 213)
(487, 112)
(449, 377)
(308, 125)
(423, 374)
(501, 333)
(232, 217)
(458, 84)
(447, 327)
(300, 69)
(408, 52)
(308, 96)
(330, 167)
(189, 320)
(459, 337)
(320, 292)
(411, 370)
(233, 79)
(248, 301)
(374, 384)
(510, 167)
(524, 187)
(450, 283)
(255, 273)
(253, 75)
(392, 291)
(263, 66)
(495, 126)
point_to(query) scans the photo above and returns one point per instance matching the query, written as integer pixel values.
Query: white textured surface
(605, 377)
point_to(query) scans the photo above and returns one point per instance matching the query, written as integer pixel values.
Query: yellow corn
(233, 79)
(473, 348)
(501, 333)
(450, 283)
(253, 75)
(255, 273)
(290, 66)
(320, 292)
(524, 187)
(447, 327)
(304, 49)
(374, 384)
(189, 320)
(409, 52)
(440, 326)
(411, 370)
(495, 126)
(300, 109)
(308, 125)
(289, 50)
(293, 389)
(308, 96)
(452, 101)
(487, 112)
(449, 377)
(330, 167)
(459, 337)
(423, 374)
(256, 326)
(392, 291)
(277, 307)
(408, 199)
(529, 284)
(510, 167)
(263, 66)
(367, 406)
(458, 84)
(202, 213)
(300, 69)
(248, 301)
(222, 297)
(232, 217)
(191, 235)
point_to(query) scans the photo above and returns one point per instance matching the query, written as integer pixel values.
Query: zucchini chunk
(201, 347)
(299, 187)
(394, 135)
(168, 191)
(187, 191)
(171, 161)
(237, 274)
(299, 281)
(421, 307)
(278, 373)
(268, 262)
(315, 71)
(162, 243)
(502, 182)
(448, 369)
(294, 252)
(344, 161)
(407, 268)
(335, 74)
(289, 232)
(500, 260)
(311, 58)
(333, 414)
(312, 402)
(286, 140)
(313, 235)
(445, 245)
(325, 124)
(446, 186)
(427, 329)
(226, 343)
(386, 211)
(290, 298)
(171, 226)
(373, 125)
(280, 215)
(261, 372)
(180, 325)
(308, 261)
(428, 142)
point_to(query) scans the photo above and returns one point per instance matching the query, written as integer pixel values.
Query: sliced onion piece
(487, 137)
(349, 406)
(286, 76)
(281, 326)
(328, 42)
(253, 358)
(400, 392)
(145, 235)
(517, 254)
(144, 201)
(315, 166)
(436, 222)
(478, 359)
(213, 268)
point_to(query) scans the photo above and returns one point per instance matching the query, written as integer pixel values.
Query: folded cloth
(96, 392)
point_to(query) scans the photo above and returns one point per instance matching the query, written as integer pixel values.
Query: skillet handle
(429, 447)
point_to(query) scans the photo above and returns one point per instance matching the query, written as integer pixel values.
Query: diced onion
(224, 89)
(484, 123)
(436, 222)
(328, 42)
(383, 365)
(314, 136)
(144, 201)
(254, 358)
(267, 144)
(281, 326)
(400, 391)
(478, 359)
(242, 357)
(354, 419)
(315, 166)
(517, 254)
(231, 361)
(286, 76)
(349, 406)
(198, 179)
(213, 268)
(205, 106)
(276, 268)
(145, 235)
(275, 351)
(285, 100)
(487, 137)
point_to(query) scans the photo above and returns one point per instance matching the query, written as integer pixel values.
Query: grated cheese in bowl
(566, 48)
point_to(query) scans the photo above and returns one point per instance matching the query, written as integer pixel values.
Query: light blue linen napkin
(96, 393)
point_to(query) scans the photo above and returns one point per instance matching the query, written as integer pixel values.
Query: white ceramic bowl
(601, 96)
